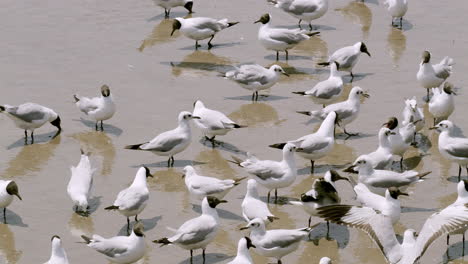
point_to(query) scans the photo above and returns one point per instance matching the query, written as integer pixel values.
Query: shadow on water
(163, 164)
(358, 13)
(255, 114)
(210, 258)
(38, 139)
(455, 252)
(149, 224)
(215, 46)
(261, 97)
(12, 219)
(201, 60)
(222, 146)
(221, 212)
(108, 128)
(338, 233)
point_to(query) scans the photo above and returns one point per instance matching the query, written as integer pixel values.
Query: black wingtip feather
(278, 145)
(323, 63)
(112, 207)
(137, 146)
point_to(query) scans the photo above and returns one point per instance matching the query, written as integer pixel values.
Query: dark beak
(183, 175)
(196, 117)
(285, 74)
(173, 30)
(244, 228)
(366, 95)
(19, 196)
(367, 52)
(433, 128)
(258, 21)
(350, 169)
(402, 193)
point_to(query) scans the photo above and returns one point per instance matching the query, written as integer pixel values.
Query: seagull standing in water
(316, 145)
(280, 39)
(254, 77)
(8, 189)
(306, 10)
(243, 254)
(328, 90)
(132, 200)
(200, 28)
(169, 4)
(432, 76)
(347, 57)
(382, 156)
(413, 114)
(58, 254)
(441, 105)
(397, 9)
(212, 123)
(80, 184)
(120, 249)
(401, 138)
(30, 116)
(170, 142)
(452, 145)
(198, 232)
(272, 174)
(253, 207)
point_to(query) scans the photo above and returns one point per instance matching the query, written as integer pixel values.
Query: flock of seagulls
(378, 185)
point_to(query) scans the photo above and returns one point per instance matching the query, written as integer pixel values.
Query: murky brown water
(53, 49)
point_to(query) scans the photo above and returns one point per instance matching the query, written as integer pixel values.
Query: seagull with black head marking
(80, 184)
(401, 138)
(347, 57)
(200, 28)
(280, 39)
(198, 232)
(170, 142)
(323, 193)
(254, 77)
(243, 254)
(120, 249)
(58, 254)
(306, 10)
(431, 76)
(98, 108)
(31, 116)
(8, 189)
(132, 200)
(169, 4)
(442, 103)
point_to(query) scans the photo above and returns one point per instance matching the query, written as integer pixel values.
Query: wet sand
(53, 49)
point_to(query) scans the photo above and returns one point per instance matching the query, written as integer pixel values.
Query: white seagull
(254, 77)
(431, 76)
(8, 189)
(382, 156)
(200, 28)
(253, 207)
(380, 180)
(397, 9)
(316, 145)
(326, 91)
(402, 137)
(202, 186)
(306, 10)
(280, 39)
(413, 114)
(379, 227)
(170, 142)
(169, 4)
(30, 116)
(198, 232)
(212, 123)
(58, 254)
(347, 57)
(323, 193)
(462, 190)
(132, 200)
(81, 183)
(325, 260)
(442, 104)
(120, 249)
(272, 174)
(452, 145)
(275, 243)
(347, 111)
(243, 254)
(98, 108)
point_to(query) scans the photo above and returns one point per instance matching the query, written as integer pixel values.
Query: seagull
(397, 9)
(253, 207)
(212, 123)
(316, 145)
(275, 243)
(347, 57)
(198, 232)
(169, 4)
(382, 156)
(132, 200)
(81, 183)
(272, 174)
(243, 254)
(98, 108)
(347, 111)
(462, 190)
(452, 146)
(120, 249)
(306, 10)
(323, 193)
(325, 260)
(280, 39)
(441, 105)
(58, 254)
(202, 186)
(401, 140)
(413, 114)
(254, 77)
(388, 205)
(431, 76)
(379, 227)
(379, 180)
(30, 116)
(170, 142)
(8, 189)
(328, 90)
(200, 28)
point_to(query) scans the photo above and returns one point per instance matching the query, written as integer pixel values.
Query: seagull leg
(32, 137)
(467, 170)
(128, 226)
(299, 24)
(349, 134)
(196, 45)
(328, 229)
(253, 97)
(256, 96)
(102, 127)
(213, 141)
(310, 219)
(459, 172)
(136, 218)
(279, 261)
(312, 166)
(448, 239)
(276, 196)
(169, 162)
(268, 196)
(277, 55)
(401, 22)
(401, 164)
(191, 256)
(427, 91)
(352, 76)
(172, 163)
(25, 137)
(310, 26)
(286, 54)
(463, 243)
(4, 215)
(203, 254)
(209, 42)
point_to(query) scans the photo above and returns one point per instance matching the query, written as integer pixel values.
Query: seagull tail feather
(86, 239)
(76, 98)
(230, 24)
(163, 241)
(239, 126)
(300, 92)
(310, 34)
(112, 207)
(422, 175)
(136, 146)
(304, 113)
(272, 218)
(277, 145)
(323, 63)
(236, 160)
(238, 181)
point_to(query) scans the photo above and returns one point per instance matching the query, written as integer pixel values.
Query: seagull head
(394, 192)
(412, 104)
(187, 170)
(445, 125)
(189, 5)
(264, 19)
(363, 49)
(278, 70)
(105, 90)
(176, 25)
(12, 189)
(325, 260)
(56, 123)
(213, 201)
(138, 229)
(56, 241)
(337, 65)
(248, 243)
(148, 172)
(392, 123)
(254, 224)
(448, 88)
(361, 162)
(357, 92)
(186, 116)
(426, 57)
(387, 132)
(292, 147)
